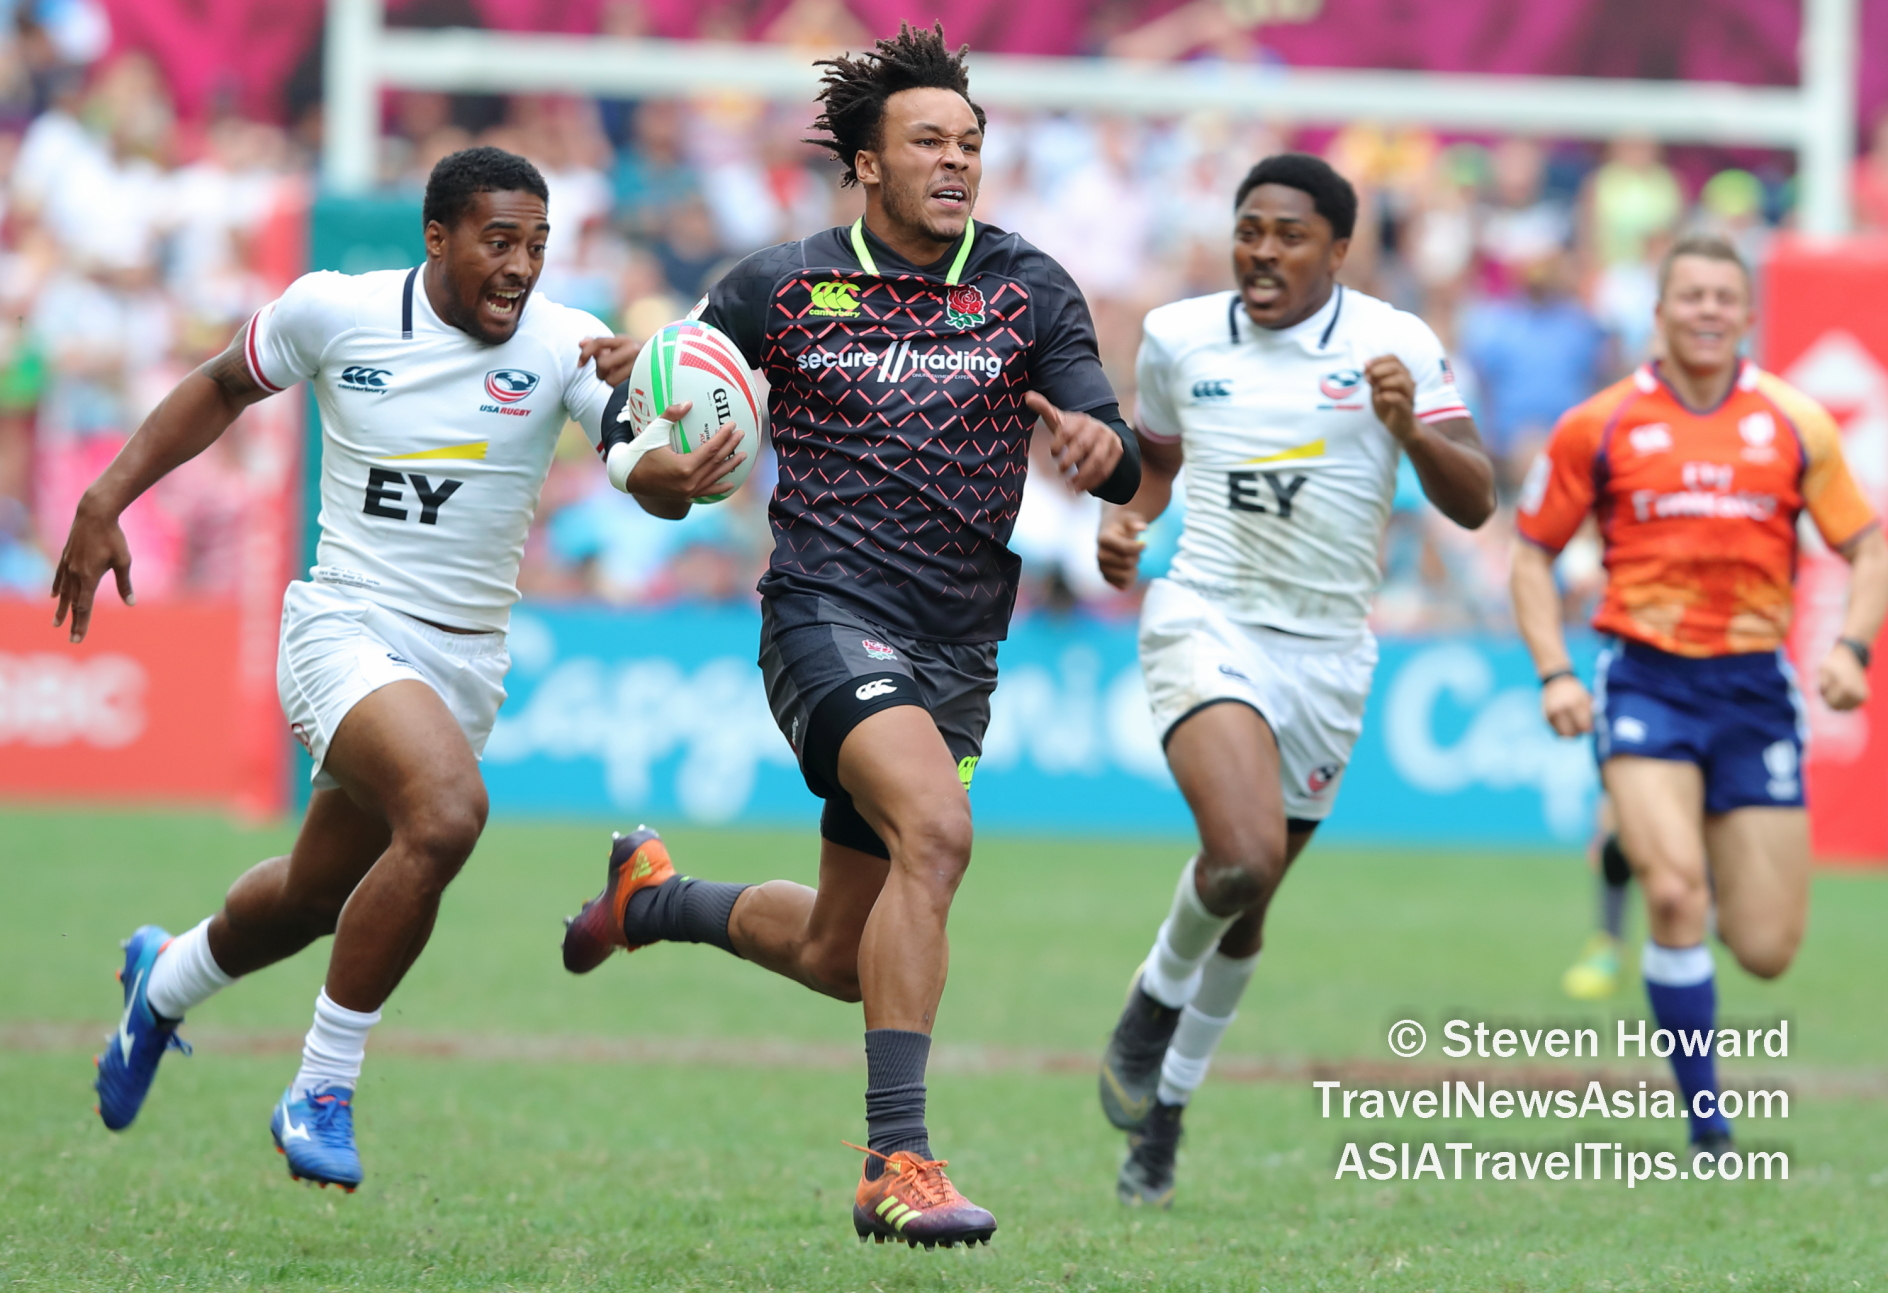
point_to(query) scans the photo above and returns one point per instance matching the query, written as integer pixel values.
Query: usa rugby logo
(1341, 384)
(509, 385)
(1323, 776)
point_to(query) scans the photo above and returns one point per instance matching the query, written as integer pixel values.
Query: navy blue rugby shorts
(1740, 718)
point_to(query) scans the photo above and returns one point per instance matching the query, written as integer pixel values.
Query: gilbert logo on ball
(693, 363)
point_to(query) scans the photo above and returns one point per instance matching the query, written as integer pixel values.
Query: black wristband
(1557, 674)
(1858, 648)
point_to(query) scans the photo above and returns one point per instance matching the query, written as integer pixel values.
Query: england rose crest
(964, 306)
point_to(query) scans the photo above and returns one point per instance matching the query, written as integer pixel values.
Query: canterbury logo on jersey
(358, 377)
(834, 300)
(872, 690)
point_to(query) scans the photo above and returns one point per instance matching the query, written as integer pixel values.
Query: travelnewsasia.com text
(1460, 1099)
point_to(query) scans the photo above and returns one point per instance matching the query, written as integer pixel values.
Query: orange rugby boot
(914, 1201)
(638, 860)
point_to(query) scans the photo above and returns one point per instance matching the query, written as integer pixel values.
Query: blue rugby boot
(129, 1060)
(316, 1134)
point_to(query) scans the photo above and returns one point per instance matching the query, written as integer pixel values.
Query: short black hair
(463, 175)
(1330, 192)
(854, 90)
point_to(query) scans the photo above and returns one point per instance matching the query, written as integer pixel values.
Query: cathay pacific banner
(660, 716)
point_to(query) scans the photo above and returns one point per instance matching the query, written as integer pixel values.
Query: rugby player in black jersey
(909, 358)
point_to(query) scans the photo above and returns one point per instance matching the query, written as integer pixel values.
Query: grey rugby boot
(1130, 1067)
(1146, 1179)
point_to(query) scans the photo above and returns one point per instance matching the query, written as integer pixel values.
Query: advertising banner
(660, 715)
(151, 708)
(1824, 332)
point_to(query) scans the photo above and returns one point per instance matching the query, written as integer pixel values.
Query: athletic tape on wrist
(625, 454)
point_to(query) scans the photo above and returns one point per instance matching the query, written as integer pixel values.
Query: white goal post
(1817, 120)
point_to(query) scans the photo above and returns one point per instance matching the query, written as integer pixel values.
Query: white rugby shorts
(337, 647)
(1311, 691)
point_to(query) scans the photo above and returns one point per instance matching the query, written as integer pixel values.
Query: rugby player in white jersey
(1290, 401)
(442, 390)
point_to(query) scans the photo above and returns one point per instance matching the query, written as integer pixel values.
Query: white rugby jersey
(1289, 474)
(434, 445)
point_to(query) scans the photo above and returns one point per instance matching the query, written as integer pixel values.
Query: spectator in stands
(1535, 356)
(1520, 223)
(652, 175)
(1631, 199)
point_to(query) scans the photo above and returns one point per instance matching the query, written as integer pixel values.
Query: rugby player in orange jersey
(1698, 466)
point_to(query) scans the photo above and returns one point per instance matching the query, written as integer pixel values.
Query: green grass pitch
(537, 1163)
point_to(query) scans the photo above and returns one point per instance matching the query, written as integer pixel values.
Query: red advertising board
(151, 707)
(1824, 331)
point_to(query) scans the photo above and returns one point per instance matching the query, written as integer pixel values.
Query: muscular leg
(401, 758)
(1760, 861)
(874, 930)
(1660, 804)
(278, 907)
(812, 935)
(1225, 760)
(904, 783)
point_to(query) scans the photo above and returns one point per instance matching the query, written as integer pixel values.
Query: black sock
(682, 910)
(894, 1095)
(1615, 875)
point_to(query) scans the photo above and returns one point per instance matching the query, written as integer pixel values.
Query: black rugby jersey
(897, 415)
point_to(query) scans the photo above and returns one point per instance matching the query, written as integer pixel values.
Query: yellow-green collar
(864, 253)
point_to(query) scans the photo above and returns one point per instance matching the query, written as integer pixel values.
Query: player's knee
(937, 843)
(1672, 895)
(443, 836)
(1241, 876)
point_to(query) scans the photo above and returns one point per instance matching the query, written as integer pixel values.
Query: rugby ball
(694, 362)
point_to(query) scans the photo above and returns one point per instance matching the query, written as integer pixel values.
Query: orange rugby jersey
(1697, 510)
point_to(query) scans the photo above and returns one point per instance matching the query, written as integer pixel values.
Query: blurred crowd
(131, 247)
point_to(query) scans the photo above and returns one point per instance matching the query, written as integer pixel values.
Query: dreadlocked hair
(854, 90)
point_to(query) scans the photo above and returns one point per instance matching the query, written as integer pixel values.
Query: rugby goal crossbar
(1816, 120)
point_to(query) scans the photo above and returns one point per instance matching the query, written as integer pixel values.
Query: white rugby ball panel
(697, 363)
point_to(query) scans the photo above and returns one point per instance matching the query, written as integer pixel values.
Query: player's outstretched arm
(1119, 546)
(615, 357)
(1455, 470)
(1565, 703)
(1842, 678)
(1093, 456)
(187, 422)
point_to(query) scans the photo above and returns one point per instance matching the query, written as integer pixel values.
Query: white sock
(335, 1047)
(1675, 967)
(1202, 1023)
(1187, 937)
(185, 975)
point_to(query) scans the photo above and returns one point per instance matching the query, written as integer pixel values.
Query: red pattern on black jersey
(899, 423)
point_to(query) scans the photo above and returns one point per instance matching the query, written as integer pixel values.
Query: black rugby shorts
(834, 669)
